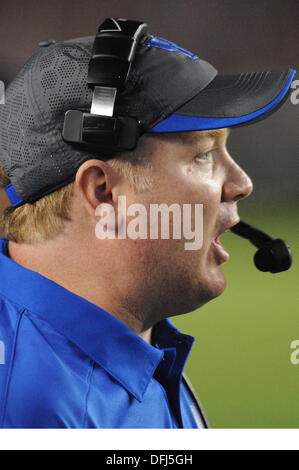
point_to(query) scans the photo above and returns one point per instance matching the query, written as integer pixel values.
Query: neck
(78, 271)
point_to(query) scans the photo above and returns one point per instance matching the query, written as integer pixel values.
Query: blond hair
(46, 218)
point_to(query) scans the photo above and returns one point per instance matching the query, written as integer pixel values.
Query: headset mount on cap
(113, 53)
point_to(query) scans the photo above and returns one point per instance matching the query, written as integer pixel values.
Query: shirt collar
(104, 338)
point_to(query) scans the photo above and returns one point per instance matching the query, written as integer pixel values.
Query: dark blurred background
(240, 364)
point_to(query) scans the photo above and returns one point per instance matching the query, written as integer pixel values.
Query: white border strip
(143, 439)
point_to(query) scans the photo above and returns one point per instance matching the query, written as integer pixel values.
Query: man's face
(192, 168)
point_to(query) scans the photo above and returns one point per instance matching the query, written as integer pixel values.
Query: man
(85, 306)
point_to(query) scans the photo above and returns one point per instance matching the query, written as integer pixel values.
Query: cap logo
(161, 43)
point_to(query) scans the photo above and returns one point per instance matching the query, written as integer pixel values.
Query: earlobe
(105, 227)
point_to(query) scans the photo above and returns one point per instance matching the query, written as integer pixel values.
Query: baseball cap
(168, 89)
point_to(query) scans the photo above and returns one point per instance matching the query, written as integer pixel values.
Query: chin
(187, 293)
(218, 284)
(212, 285)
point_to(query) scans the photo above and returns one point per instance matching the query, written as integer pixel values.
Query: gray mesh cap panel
(54, 80)
(31, 146)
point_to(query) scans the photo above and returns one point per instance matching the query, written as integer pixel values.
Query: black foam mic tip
(274, 256)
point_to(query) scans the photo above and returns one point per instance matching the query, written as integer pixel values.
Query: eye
(205, 157)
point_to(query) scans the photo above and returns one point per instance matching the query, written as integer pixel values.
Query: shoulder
(44, 382)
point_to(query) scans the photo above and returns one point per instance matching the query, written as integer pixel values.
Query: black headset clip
(109, 68)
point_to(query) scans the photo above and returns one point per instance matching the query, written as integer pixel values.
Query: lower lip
(220, 250)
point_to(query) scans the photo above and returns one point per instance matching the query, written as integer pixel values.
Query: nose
(237, 184)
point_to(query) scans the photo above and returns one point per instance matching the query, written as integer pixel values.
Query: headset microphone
(272, 256)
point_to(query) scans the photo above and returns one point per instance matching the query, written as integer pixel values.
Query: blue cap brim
(227, 100)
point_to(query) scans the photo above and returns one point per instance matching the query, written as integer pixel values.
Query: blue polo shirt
(67, 363)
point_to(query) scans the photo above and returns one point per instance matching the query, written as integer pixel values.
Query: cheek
(211, 204)
(188, 186)
(209, 195)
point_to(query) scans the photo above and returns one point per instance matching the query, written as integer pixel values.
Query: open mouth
(222, 254)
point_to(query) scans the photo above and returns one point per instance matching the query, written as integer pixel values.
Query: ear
(95, 180)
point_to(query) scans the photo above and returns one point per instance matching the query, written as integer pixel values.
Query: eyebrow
(194, 137)
(212, 134)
